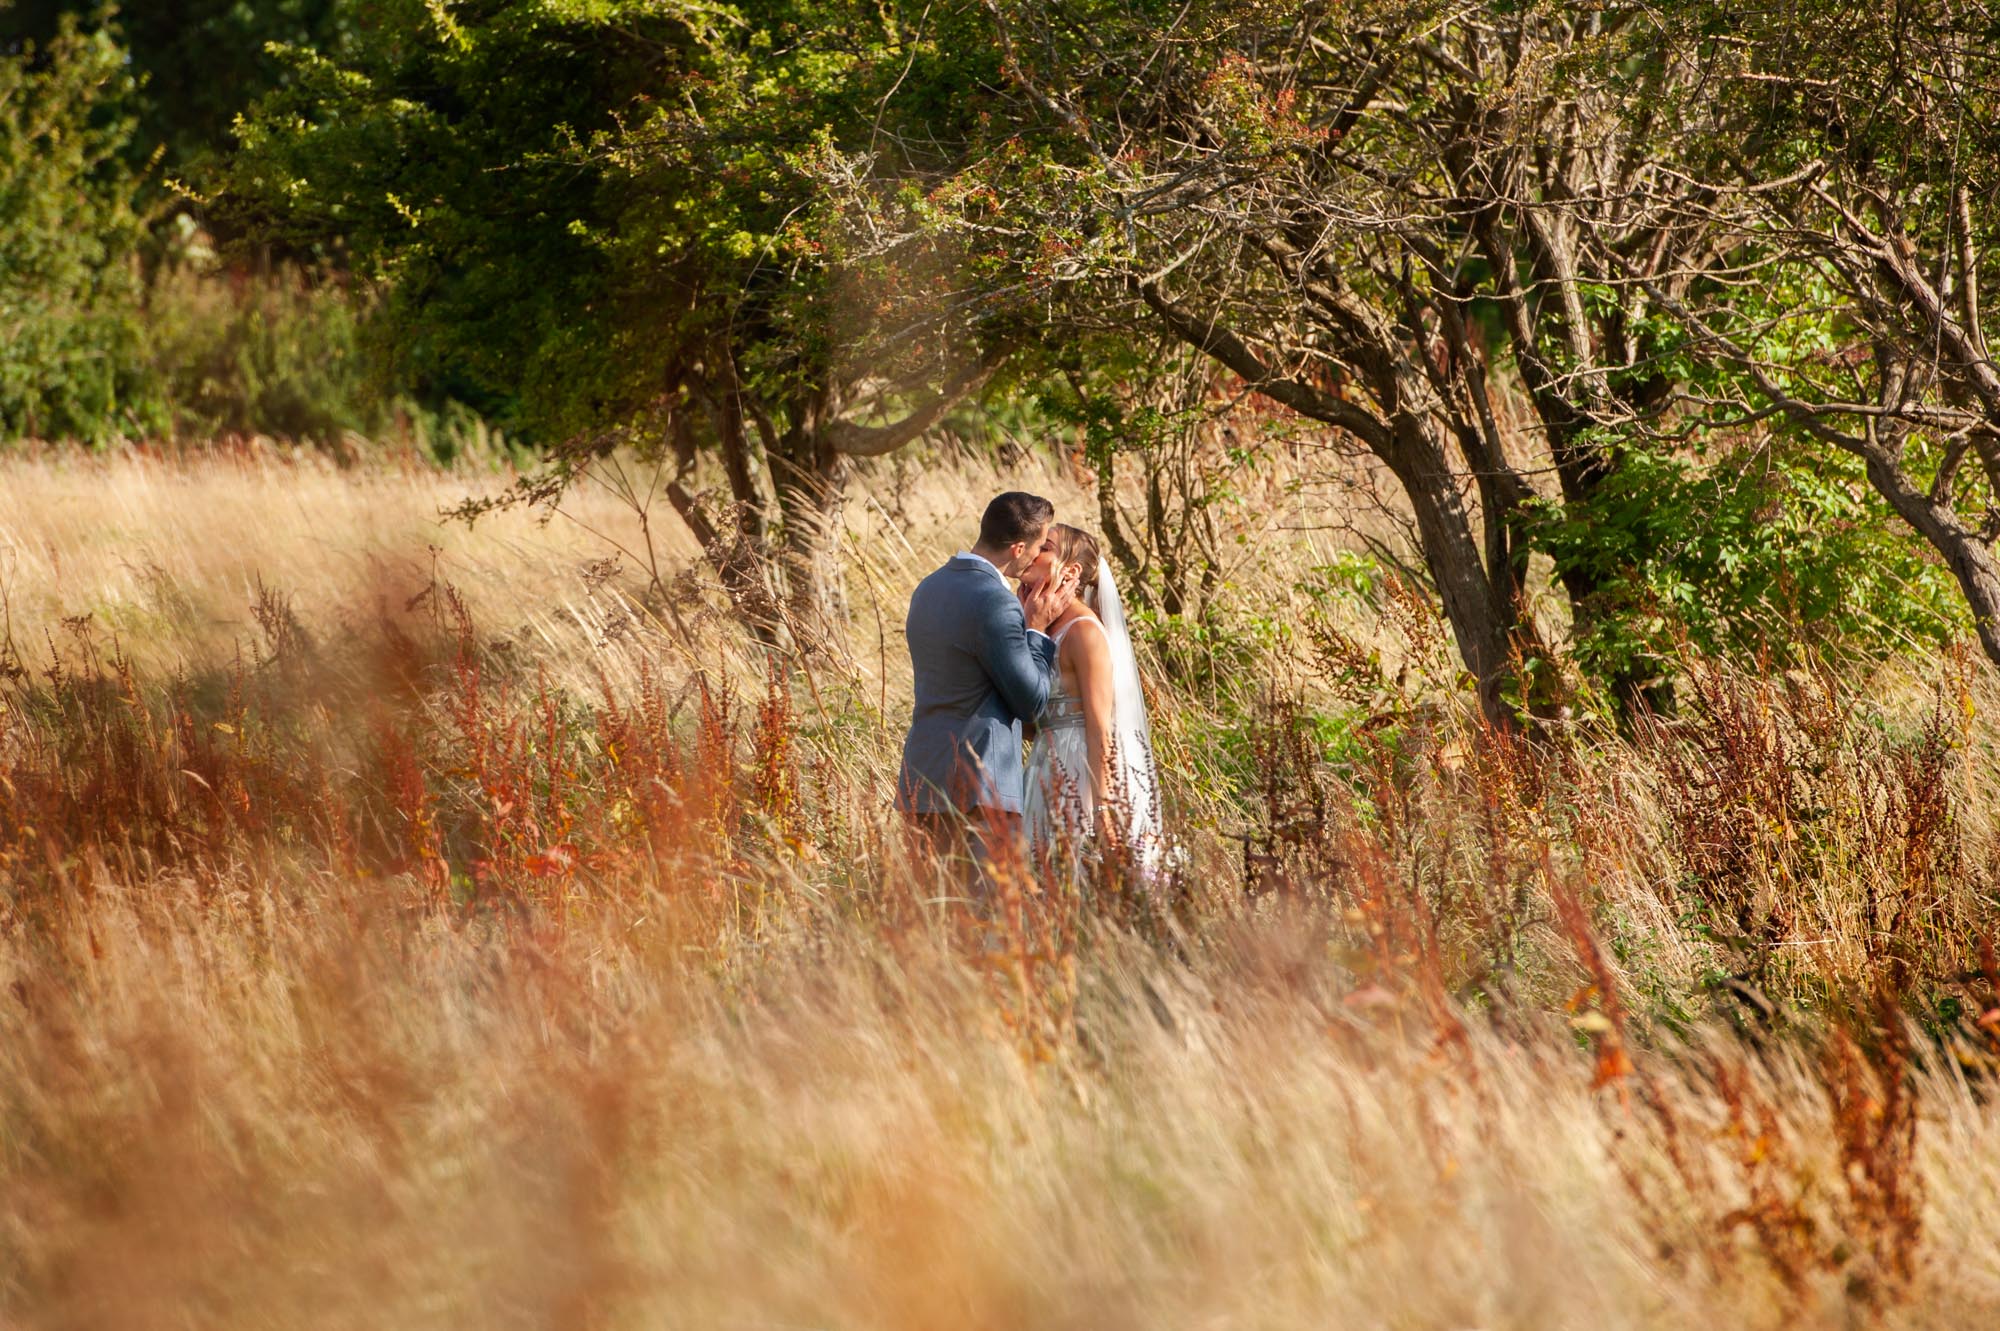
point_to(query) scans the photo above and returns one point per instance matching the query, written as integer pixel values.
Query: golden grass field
(408, 926)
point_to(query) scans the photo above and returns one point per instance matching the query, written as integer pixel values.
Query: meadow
(408, 924)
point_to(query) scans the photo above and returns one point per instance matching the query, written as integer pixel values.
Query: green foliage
(99, 348)
(73, 227)
(195, 63)
(1760, 551)
(279, 357)
(585, 209)
(1210, 653)
(1739, 540)
(289, 357)
(1347, 575)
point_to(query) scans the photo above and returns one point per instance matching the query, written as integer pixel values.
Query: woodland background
(464, 466)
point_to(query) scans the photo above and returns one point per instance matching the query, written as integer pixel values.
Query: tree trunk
(1970, 558)
(1481, 616)
(812, 463)
(735, 561)
(1114, 534)
(811, 476)
(738, 547)
(813, 508)
(1563, 403)
(1478, 602)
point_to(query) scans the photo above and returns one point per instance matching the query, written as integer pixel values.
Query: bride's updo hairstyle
(1076, 546)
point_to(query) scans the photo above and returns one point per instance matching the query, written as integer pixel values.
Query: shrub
(281, 356)
(70, 209)
(1764, 550)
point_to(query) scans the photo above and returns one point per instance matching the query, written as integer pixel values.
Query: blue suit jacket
(980, 672)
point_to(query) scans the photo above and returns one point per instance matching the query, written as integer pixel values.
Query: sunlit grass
(406, 925)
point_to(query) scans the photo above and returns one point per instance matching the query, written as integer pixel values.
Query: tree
(1854, 154)
(1374, 217)
(194, 64)
(616, 215)
(1169, 410)
(71, 227)
(1404, 221)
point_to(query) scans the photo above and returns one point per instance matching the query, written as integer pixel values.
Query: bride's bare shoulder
(1084, 638)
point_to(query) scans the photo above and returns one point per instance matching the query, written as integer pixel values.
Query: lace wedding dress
(1061, 807)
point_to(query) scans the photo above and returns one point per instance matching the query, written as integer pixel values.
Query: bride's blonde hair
(1077, 546)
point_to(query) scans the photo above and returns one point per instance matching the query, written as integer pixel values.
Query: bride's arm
(1090, 658)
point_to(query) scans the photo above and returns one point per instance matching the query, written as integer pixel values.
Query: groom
(983, 666)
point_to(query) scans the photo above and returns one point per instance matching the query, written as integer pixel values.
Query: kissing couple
(1049, 652)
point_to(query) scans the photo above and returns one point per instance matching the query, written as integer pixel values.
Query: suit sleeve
(1018, 660)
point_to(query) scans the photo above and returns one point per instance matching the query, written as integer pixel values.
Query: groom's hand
(1049, 602)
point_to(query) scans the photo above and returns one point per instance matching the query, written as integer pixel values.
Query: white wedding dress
(1061, 805)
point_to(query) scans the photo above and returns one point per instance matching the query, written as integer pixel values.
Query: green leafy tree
(617, 218)
(196, 63)
(1851, 154)
(1759, 547)
(1403, 222)
(1357, 215)
(71, 228)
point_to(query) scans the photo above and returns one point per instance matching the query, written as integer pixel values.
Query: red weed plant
(1775, 1208)
(1987, 1005)
(1912, 845)
(644, 768)
(1022, 926)
(1873, 1113)
(712, 788)
(1865, 1225)
(1796, 827)
(95, 766)
(1509, 825)
(698, 804)
(410, 842)
(1288, 844)
(506, 759)
(1598, 1008)
(1855, 1218)
(774, 780)
(1735, 785)
(393, 756)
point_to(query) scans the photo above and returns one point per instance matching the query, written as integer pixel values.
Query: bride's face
(1042, 568)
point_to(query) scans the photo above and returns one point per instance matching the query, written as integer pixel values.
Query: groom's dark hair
(1012, 517)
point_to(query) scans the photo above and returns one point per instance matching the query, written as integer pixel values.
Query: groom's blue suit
(980, 672)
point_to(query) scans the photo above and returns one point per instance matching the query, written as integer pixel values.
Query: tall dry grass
(230, 1113)
(398, 935)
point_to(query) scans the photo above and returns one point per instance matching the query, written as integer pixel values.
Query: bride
(1090, 773)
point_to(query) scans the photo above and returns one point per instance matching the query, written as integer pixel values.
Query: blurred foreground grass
(406, 925)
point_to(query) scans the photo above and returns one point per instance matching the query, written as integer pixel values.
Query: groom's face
(1026, 556)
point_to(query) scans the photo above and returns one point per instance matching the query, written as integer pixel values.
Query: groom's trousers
(973, 849)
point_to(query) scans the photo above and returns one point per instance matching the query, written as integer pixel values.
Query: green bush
(70, 283)
(96, 348)
(1757, 553)
(292, 357)
(277, 356)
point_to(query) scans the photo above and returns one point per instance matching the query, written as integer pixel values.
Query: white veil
(1132, 775)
